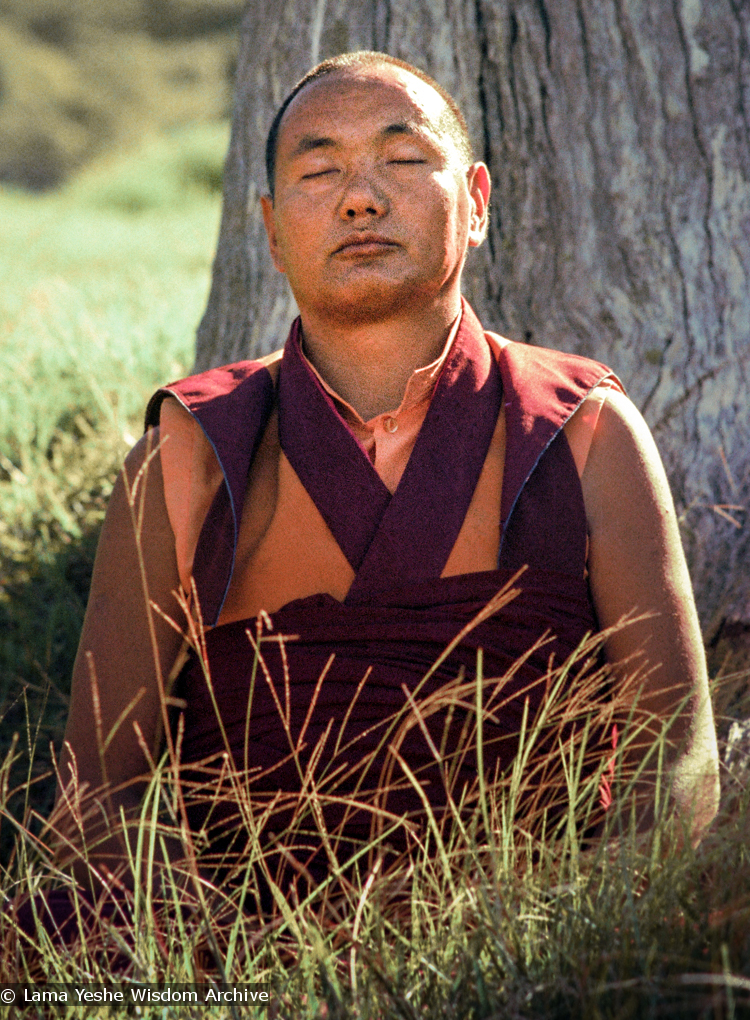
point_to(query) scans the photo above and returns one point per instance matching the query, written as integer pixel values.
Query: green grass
(102, 287)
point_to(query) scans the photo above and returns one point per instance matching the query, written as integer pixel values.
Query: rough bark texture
(618, 137)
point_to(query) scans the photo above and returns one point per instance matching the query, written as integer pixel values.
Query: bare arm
(126, 650)
(637, 566)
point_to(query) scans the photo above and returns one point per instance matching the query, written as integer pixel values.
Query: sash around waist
(396, 636)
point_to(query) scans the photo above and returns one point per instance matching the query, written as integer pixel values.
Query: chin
(367, 304)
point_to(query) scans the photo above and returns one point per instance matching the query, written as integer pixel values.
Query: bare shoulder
(624, 483)
(636, 560)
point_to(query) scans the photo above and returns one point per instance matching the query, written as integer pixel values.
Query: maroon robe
(399, 614)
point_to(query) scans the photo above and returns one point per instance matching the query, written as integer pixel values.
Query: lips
(365, 243)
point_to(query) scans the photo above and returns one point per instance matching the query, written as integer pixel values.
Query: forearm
(115, 842)
(668, 767)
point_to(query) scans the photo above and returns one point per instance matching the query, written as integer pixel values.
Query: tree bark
(617, 133)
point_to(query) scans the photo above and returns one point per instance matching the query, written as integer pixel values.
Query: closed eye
(319, 173)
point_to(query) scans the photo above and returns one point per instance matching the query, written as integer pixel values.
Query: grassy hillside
(101, 288)
(80, 78)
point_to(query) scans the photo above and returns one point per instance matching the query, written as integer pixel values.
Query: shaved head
(451, 123)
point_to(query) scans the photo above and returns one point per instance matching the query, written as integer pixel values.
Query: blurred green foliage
(101, 288)
(81, 78)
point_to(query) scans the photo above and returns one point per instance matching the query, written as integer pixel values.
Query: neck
(369, 364)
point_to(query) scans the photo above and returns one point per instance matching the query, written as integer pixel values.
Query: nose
(362, 197)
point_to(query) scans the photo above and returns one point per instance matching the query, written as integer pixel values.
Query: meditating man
(329, 521)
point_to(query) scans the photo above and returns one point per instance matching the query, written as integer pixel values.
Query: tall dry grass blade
(429, 814)
(358, 921)
(350, 709)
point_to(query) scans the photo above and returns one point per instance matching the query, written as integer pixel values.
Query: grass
(102, 287)
(493, 915)
(506, 908)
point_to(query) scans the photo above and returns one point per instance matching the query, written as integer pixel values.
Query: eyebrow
(400, 128)
(309, 143)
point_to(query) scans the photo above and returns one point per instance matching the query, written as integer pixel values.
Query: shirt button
(390, 424)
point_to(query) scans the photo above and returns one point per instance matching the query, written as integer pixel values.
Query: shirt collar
(420, 387)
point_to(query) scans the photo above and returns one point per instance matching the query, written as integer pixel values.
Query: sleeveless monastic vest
(339, 694)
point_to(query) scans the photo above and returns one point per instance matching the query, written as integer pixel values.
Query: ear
(266, 205)
(479, 185)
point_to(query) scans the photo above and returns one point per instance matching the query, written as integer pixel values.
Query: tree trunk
(617, 133)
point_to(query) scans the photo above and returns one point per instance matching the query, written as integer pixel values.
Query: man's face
(373, 207)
